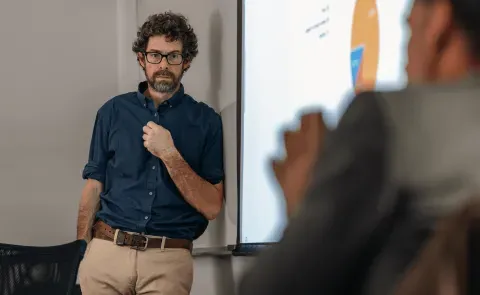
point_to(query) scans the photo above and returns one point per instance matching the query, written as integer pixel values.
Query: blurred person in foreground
(154, 173)
(419, 144)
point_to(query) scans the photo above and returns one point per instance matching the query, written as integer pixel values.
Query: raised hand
(302, 150)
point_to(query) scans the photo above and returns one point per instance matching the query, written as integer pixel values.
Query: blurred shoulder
(365, 108)
(382, 108)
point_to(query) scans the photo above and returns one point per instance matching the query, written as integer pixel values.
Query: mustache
(164, 73)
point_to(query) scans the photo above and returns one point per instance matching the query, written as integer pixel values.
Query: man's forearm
(199, 193)
(89, 205)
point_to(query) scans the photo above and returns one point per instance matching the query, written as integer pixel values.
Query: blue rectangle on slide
(356, 56)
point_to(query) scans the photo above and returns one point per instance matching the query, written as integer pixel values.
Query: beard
(160, 83)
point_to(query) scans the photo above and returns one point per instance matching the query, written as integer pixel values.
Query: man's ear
(186, 65)
(141, 59)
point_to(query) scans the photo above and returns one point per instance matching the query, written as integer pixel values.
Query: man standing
(154, 173)
(417, 147)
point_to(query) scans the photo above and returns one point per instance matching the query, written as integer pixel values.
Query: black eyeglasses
(173, 58)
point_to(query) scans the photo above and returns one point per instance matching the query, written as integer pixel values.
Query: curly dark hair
(174, 26)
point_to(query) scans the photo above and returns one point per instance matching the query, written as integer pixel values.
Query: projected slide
(365, 45)
(306, 54)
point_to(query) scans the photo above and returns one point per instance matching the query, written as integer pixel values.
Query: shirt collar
(175, 100)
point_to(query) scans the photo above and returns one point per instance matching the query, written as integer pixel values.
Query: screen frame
(240, 73)
(242, 249)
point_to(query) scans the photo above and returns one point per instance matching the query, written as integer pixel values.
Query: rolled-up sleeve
(99, 150)
(212, 158)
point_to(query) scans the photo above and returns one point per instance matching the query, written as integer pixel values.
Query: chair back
(39, 270)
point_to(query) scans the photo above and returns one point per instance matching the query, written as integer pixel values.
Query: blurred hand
(302, 150)
(157, 139)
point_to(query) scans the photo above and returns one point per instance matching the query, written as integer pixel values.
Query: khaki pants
(108, 269)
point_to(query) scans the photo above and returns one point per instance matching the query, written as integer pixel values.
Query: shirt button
(150, 193)
(146, 217)
(153, 167)
(144, 104)
(155, 114)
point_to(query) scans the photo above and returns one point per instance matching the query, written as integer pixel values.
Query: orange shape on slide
(365, 45)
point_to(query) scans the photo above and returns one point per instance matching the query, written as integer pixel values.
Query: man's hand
(157, 139)
(302, 150)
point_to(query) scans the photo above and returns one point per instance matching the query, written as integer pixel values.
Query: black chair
(39, 270)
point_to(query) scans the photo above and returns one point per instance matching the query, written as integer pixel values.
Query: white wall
(58, 66)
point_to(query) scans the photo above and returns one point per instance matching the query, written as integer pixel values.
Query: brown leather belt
(103, 231)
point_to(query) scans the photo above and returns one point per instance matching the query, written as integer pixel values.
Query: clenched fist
(302, 150)
(157, 139)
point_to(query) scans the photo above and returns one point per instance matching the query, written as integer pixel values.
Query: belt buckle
(119, 238)
(135, 242)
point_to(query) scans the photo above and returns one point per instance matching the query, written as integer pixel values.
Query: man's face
(429, 23)
(163, 77)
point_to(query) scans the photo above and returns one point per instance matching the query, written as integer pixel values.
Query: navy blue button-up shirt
(139, 195)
